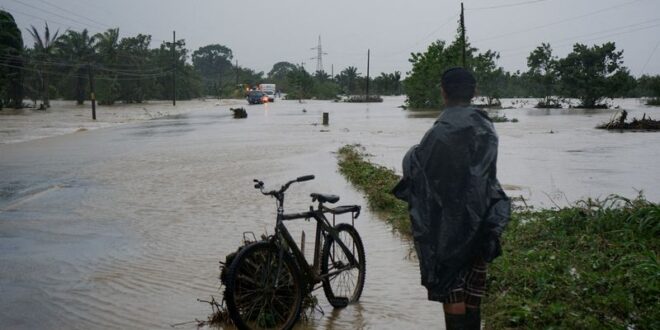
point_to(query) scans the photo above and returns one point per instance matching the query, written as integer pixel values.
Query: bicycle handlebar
(305, 178)
(260, 185)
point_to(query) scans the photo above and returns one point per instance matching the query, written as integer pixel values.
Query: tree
(321, 76)
(44, 48)
(543, 75)
(423, 82)
(490, 77)
(11, 62)
(648, 86)
(301, 84)
(134, 53)
(213, 62)
(188, 80)
(77, 48)
(388, 83)
(586, 73)
(107, 48)
(348, 80)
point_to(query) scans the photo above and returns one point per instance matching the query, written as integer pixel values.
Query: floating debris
(502, 119)
(363, 99)
(239, 113)
(645, 124)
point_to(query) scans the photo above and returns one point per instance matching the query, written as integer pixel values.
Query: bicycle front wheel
(263, 289)
(343, 284)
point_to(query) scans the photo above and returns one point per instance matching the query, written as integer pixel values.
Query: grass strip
(593, 265)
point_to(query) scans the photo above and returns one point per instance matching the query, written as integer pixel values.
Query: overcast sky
(261, 33)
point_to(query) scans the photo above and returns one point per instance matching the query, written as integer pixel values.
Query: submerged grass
(593, 265)
(376, 182)
(653, 101)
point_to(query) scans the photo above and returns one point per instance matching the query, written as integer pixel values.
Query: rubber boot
(454, 321)
(472, 319)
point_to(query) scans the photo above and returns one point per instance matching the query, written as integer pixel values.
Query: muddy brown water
(124, 227)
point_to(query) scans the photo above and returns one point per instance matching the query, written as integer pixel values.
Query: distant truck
(269, 89)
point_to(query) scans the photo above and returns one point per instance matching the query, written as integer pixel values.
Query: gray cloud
(264, 32)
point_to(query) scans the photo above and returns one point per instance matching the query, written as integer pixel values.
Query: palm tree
(348, 79)
(107, 48)
(44, 49)
(107, 45)
(77, 48)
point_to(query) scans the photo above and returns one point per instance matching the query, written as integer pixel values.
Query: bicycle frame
(311, 273)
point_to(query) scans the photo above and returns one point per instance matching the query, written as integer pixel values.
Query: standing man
(457, 208)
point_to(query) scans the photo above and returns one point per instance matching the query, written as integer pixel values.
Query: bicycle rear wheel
(263, 291)
(346, 285)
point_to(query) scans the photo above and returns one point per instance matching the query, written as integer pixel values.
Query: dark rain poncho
(457, 208)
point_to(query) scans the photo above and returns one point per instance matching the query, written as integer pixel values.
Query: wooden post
(220, 80)
(174, 68)
(91, 90)
(463, 35)
(326, 119)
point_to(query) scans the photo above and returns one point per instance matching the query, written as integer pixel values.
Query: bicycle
(268, 279)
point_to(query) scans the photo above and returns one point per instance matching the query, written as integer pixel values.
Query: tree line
(589, 73)
(64, 65)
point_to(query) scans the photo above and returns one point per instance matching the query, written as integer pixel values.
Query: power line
(52, 13)
(596, 38)
(74, 14)
(573, 38)
(556, 22)
(69, 24)
(408, 49)
(38, 17)
(650, 57)
(161, 74)
(137, 68)
(506, 5)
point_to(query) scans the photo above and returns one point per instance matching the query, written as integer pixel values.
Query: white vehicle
(269, 89)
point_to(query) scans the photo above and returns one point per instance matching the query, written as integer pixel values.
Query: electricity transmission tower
(319, 56)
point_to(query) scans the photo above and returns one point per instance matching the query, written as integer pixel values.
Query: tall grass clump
(592, 265)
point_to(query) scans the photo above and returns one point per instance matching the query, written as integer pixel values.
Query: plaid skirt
(470, 286)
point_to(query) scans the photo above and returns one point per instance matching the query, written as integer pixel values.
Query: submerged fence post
(326, 119)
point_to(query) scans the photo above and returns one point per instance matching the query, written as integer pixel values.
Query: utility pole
(236, 69)
(220, 80)
(463, 34)
(332, 71)
(91, 90)
(174, 68)
(368, 57)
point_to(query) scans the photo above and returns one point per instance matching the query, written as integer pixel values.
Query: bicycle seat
(323, 198)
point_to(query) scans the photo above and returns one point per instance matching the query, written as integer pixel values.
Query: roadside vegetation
(62, 64)
(590, 74)
(593, 265)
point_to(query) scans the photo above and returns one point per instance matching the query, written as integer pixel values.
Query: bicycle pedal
(338, 302)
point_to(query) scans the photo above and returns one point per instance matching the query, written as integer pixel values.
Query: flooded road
(123, 227)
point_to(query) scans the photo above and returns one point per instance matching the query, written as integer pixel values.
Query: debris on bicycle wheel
(219, 315)
(239, 113)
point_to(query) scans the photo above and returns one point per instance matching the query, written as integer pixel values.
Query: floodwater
(123, 227)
